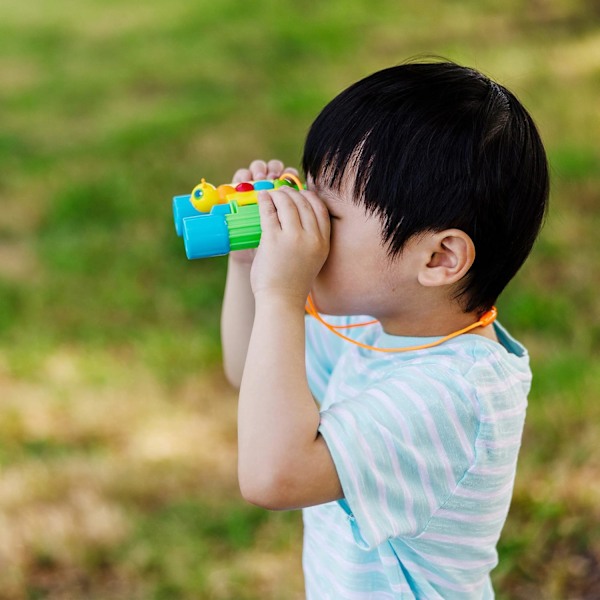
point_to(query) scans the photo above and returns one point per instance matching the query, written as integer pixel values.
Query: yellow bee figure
(204, 196)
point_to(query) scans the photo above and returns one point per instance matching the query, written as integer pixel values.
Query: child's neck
(434, 322)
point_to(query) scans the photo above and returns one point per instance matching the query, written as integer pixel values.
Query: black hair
(432, 146)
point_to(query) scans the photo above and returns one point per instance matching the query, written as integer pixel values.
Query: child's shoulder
(470, 370)
(467, 367)
(459, 356)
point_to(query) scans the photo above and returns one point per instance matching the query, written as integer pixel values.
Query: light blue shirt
(425, 444)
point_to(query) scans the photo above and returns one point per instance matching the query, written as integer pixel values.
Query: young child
(427, 186)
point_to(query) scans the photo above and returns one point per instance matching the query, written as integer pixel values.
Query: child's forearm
(283, 460)
(238, 303)
(237, 317)
(277, 417)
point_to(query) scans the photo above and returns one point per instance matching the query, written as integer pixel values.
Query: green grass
(117, 432)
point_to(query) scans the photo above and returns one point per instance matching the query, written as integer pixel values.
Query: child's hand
(259, 169)
(294, 244)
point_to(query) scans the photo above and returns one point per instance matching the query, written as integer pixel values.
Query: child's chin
(327, 305)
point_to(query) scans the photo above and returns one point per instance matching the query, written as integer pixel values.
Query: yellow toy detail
(224, 190)
(204, 196)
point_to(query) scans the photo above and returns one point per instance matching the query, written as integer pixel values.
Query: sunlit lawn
(117, 430)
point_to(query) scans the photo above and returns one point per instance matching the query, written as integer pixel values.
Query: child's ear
(449, 256)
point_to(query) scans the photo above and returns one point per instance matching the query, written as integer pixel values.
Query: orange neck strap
(486, 319)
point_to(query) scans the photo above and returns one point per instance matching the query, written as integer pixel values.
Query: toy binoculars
(213, 221)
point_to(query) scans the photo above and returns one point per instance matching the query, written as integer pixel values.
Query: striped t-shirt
(425, 444)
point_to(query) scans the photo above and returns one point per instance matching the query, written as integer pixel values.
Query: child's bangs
(334, 157)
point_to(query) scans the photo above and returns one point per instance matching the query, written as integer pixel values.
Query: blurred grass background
(117, 430)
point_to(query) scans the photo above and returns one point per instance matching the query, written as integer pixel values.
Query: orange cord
(486, 319)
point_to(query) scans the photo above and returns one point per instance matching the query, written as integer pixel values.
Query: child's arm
(236, 317)
(283, 460)
(238, 303)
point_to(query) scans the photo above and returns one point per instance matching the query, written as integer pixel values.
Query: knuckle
(315, 240)
(241, 175)
(281, 197)
(302, 202)
(322, 209)
(275, 164)
(258, 168)
(266, 209)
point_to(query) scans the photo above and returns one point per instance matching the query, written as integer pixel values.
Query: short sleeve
(400, 448)
(323, 350)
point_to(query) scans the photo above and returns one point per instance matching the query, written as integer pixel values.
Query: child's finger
(312, 214)
(274, 169)
(269, 217)
(320, 212)
(287, 211)
(258, 169)
(242, 175)
(306, 213)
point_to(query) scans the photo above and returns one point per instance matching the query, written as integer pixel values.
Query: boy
(427, 186)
